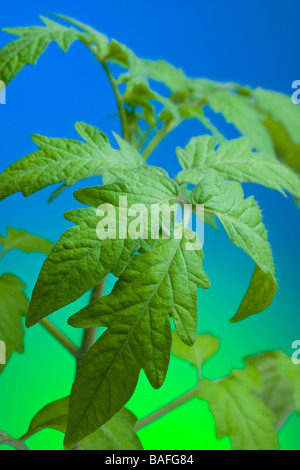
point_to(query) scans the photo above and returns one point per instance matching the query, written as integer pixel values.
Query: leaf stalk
(159, 413)
(59, 336)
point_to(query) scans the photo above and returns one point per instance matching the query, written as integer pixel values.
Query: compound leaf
(203, 348)
(77, 263)
(81, 259)
(164, 72)
(282, 110)
(154, 286)
(239, 111)
(287, 151)
(116, 434)
(240, 217)
(66, 160)
(32, 43)
(141, 186)
(240, 415)
(277, 389)
(234, 160)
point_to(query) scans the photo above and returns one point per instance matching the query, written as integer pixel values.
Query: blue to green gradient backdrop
(254, 43)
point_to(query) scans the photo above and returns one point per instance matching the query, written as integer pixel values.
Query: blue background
(254, 43)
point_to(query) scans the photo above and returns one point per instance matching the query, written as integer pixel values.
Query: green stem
(112, 81)
(209, 125)
(118, 99)
(147, 133)
(16, 443)
(90, 334)
(157, 139)
(61, 338)
(159, 413)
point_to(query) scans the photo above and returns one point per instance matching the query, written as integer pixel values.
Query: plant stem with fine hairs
(90, 334)
(159, 413)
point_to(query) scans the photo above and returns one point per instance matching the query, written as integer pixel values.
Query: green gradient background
(45, 371)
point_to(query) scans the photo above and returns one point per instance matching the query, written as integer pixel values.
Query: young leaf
(52, 416)
(164, 72)
(240, 415)
(239, 111)
(142, 186)
(105, 382)
(234, 160)
(21, 240)
(207, 218)
(116, 434)
(240, 217)
(100, 39)
(77, 263)
(250, 377)
(66, 160)
(14, 305)
(282, 110)
(291, 371)
(287, 151)
(80, 260)
(154, 286)
(277, 389)
(259, 296)
(204, 347)
(32, 43)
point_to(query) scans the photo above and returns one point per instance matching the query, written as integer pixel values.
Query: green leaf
(116, 434)
(162, 71)
(110, 51)
(234, 160)
(53, 416)
(154, 286)
(142, 186)
(106, 380)
(277, 389)
(100, 39)
(240, 217)
(139, 94)
(14, 305)
(259, 296)
(240, 415)
(281, 108)
(207, 218)
(21, 240)
(287, 151)
(239, 111)
(80, 260)
(292, 372)
(77, 263)
(204, 347)
(32, 43)
(249, 376)
(66, 160)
